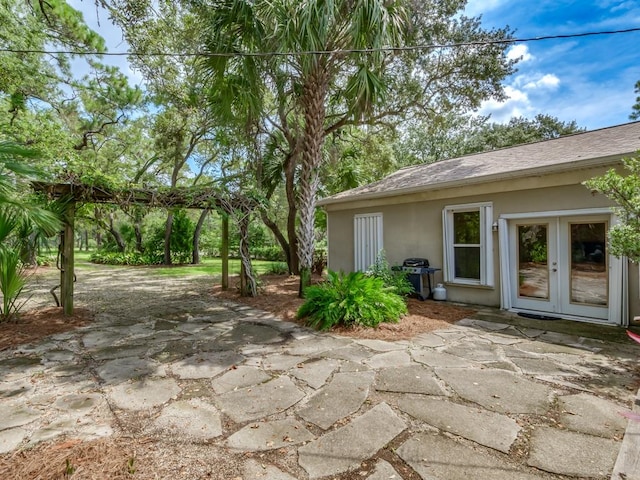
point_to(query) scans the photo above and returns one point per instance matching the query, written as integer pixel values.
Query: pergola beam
(194, 197)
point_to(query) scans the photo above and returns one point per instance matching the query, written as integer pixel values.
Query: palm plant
(321, 31)
(18, 215)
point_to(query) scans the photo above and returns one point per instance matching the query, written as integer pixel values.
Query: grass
(208, 266)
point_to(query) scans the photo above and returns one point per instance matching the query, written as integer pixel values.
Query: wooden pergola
(70, 194)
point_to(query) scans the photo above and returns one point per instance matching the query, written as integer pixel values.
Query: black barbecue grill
(417, 269)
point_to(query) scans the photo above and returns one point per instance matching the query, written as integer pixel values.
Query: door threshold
(550, 316)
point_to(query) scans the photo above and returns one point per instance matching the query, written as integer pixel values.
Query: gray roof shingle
(580, 150)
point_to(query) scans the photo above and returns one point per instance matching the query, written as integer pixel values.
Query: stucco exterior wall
(412, 225)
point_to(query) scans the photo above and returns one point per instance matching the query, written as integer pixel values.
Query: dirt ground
(118, 457)
(279, 295)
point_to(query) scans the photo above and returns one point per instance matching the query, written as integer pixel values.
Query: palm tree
(18, 215)
(309, 41)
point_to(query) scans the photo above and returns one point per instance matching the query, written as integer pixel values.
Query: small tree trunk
(196, 236)
(98, 239)
(86, 240)
(282, 241)
(167, 239)
(116, 234)
(224, 251)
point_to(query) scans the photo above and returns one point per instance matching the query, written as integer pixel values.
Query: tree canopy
(277, 100)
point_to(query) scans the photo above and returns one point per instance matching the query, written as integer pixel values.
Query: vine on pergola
(238, 206)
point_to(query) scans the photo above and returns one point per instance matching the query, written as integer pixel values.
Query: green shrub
(180, 241)
(126, 258)
(280, 268)
(271, 253)
(352, 299)
(46, 260)
(319, 260)
(12, 281)
(396, 279)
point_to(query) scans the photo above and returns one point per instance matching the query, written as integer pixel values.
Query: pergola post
(66, 272)
(224, 251)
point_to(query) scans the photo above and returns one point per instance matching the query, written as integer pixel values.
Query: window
(368, 239)
(468, 245)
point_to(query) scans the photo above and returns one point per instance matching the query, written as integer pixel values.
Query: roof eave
(534, 171)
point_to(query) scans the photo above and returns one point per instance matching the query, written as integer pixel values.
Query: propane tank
(439, 293)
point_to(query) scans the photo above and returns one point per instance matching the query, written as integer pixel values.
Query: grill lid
(416, 262)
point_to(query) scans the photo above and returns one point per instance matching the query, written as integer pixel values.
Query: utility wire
(323, 52)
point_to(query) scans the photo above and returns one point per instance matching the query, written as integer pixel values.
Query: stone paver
(206, 365)
(589, 414)
(16, 415)
(395, 358)
(569, 453)
(282, 361)
(344, 449)
(273, 400)
(261, 400)
(411, 379)
(498, 390)
(254, 470)
(490, 429)
(438, 359)
(436, 457)
(384, 471)
(315, 372)
(477, 350)
(269, 435)
(10, 439)
(239, 377)
(143, 394)
(352, 389)
(194, 419)
(128, 368)
(541, 366)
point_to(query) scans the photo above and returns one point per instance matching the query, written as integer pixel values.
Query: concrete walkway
(480, 400)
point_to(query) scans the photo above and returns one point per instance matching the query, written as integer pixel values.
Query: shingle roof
(580, 150)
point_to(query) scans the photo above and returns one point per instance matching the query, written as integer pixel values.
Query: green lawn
(208, 266)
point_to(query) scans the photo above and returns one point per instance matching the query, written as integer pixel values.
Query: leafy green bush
(396, 279)
(352, 299)
(126, 258)
(319, 260)
(46, 260)
(271, 253)
(180, 241)
(12, 281)
(279, 268)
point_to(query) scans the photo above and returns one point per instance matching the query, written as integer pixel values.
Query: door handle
(554, 269)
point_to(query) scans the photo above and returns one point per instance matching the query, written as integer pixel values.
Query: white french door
(559, 265)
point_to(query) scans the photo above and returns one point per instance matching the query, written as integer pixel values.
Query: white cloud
(519, 52)
(478, 7)
(548, 81)
(517, 104)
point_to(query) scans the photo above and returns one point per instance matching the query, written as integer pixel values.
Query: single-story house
(512, 228)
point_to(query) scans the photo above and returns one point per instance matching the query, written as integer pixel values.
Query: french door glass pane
(589, 263)
(533, 273)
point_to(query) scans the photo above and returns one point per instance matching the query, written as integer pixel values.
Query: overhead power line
(325, 52)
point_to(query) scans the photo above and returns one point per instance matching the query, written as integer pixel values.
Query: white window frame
(368, 239)
(486, 244)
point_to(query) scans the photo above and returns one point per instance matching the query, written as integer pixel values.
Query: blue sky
(589, 80)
